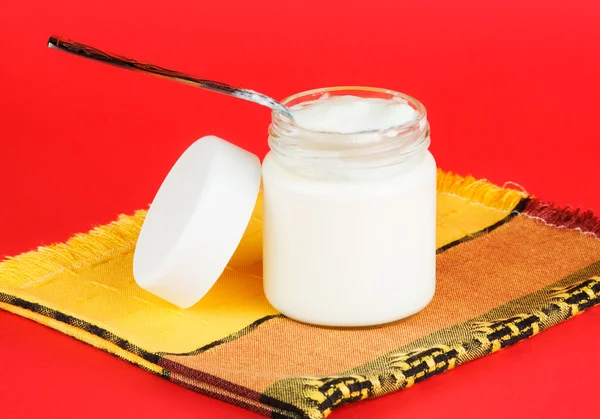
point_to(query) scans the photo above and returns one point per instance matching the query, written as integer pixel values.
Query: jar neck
(393, 146)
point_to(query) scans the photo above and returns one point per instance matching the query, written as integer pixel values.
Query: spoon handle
(131, 64)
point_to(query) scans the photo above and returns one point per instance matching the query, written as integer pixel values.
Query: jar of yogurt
(349, 193)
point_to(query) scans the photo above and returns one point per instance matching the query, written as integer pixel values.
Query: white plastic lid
(196, 221)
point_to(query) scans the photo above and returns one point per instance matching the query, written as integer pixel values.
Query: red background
(512, 92)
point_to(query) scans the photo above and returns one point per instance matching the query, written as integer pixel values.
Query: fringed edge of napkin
(83, 249)
(479, 190)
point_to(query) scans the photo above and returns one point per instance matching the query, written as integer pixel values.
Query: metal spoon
(130, 64)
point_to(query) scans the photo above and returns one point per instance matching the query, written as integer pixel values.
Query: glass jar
(349, 219)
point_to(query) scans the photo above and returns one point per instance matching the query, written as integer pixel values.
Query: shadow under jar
(349, 219)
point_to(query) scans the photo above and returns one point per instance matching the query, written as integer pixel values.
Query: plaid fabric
(508, 267)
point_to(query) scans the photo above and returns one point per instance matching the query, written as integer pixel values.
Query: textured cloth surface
(508, 267)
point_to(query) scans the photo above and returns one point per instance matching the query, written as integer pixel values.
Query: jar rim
(374, 148)
(279, 118)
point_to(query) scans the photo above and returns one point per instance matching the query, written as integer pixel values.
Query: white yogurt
(349, 240)
(351, 114)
